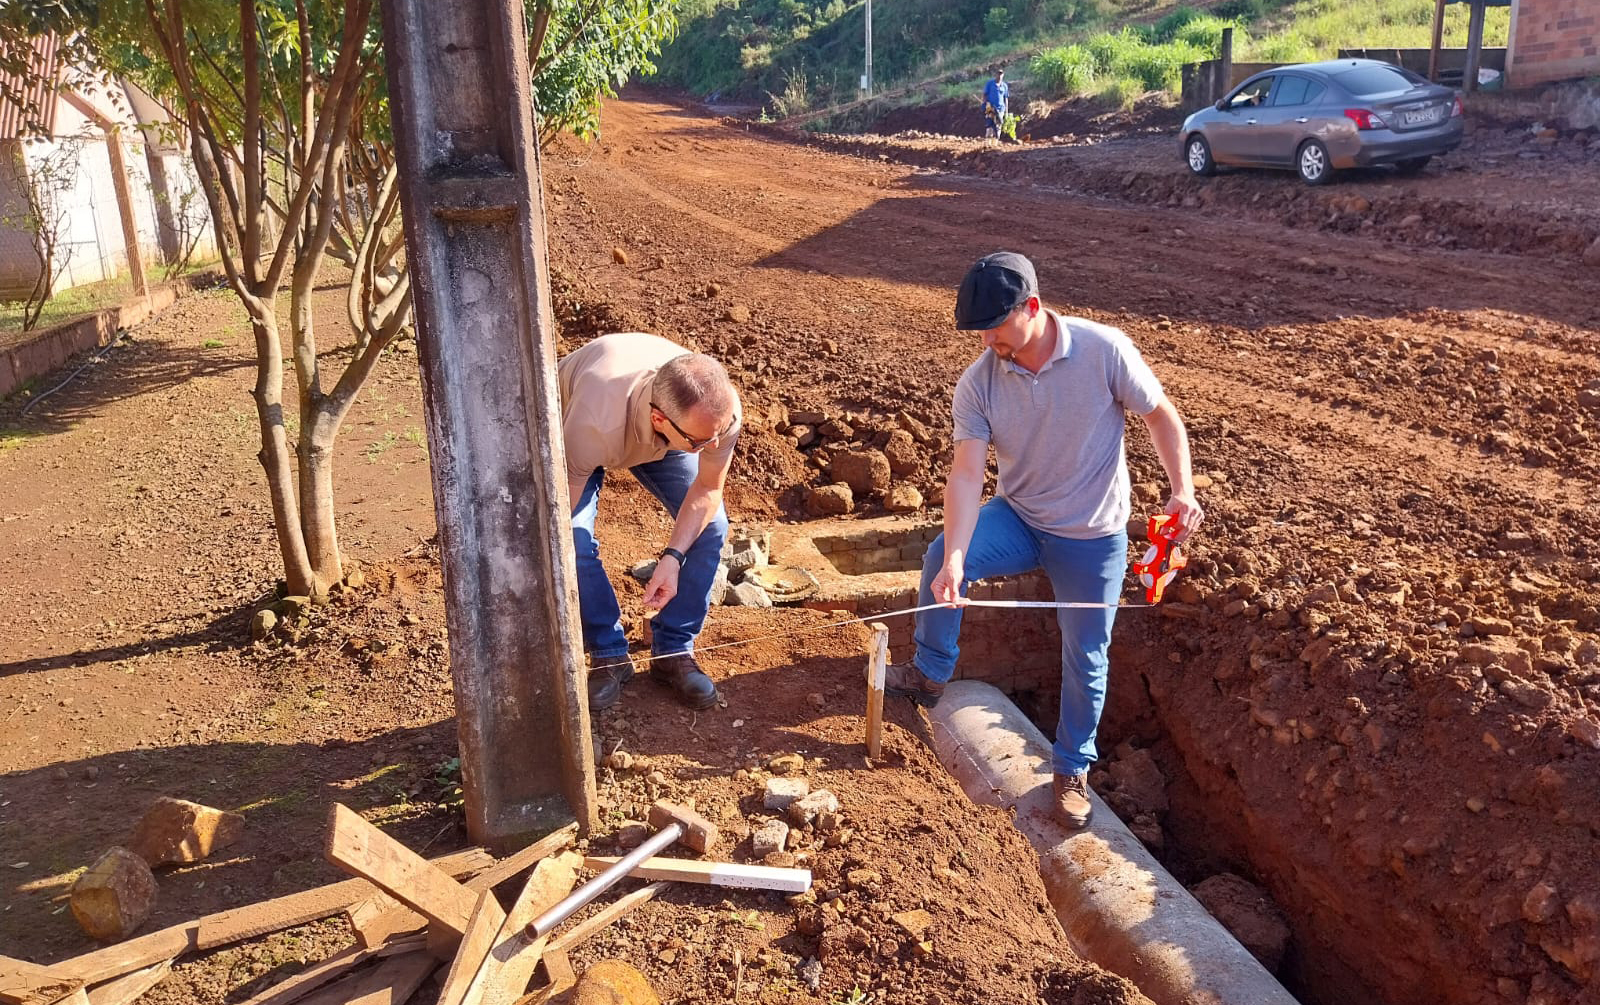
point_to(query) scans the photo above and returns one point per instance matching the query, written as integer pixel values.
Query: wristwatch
(675, 553)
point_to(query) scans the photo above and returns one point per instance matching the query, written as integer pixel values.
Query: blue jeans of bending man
(680, 621)
(1080, 571)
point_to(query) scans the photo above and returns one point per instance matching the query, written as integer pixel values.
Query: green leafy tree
(581, 51)
(284, 109)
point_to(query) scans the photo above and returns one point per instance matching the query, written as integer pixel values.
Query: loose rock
(807, 808)
(613, 982)
(865, 471)
(830, 500)
(904, 499)
(787, 764)
(769, 838)
(176, 831)
(1246, 911)
(115, 896)
(746, 595)
(783, 791)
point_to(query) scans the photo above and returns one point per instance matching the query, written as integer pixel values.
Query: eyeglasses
(694, 444)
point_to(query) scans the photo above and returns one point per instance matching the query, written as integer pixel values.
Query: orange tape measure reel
(1163, 559)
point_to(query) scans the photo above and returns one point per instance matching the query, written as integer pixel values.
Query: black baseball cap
(995, 286)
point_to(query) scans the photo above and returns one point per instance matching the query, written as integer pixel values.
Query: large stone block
(115, 896)
(177, 831)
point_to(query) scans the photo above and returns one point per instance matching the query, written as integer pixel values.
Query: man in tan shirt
(671, 417)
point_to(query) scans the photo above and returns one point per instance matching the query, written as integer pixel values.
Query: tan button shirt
(605, 404)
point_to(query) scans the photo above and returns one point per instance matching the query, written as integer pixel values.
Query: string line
(1031, 604)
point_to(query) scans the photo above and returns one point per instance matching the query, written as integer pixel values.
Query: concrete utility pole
(867, 77)
(462, 111)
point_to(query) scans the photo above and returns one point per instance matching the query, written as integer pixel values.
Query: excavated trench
(1188, 813)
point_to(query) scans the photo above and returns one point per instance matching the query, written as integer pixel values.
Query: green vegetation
(794, 56)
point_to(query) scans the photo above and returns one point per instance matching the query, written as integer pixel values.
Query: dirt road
(1378, 696)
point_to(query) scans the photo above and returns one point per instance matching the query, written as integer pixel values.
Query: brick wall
(1553, 40)
(1015, 650)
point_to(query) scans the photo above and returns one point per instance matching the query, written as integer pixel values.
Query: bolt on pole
(467, 148)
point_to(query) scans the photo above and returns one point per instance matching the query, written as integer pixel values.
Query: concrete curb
(1119, 907)
(46, 349)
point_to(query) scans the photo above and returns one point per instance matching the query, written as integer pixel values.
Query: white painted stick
(744, 877)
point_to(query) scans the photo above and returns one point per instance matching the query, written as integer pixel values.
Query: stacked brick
(1554, 40)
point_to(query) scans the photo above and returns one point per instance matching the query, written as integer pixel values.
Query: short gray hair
(693, 380)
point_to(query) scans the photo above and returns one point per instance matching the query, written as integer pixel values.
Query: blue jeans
(680, 621)
(1093, 570)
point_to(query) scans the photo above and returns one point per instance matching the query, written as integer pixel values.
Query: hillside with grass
(795, 56)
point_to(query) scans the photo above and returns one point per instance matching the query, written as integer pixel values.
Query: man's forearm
(698, 509)
(1171, 442)
(961, 497)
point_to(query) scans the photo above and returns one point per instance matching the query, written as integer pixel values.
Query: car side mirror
(1221, 105)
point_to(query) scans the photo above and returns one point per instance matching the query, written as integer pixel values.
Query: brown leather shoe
(1072, 806)
(683, 675)
(906, 680)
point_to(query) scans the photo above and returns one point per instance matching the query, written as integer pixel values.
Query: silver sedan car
(1314, 118)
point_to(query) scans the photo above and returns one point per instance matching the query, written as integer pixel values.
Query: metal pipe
(546, 923)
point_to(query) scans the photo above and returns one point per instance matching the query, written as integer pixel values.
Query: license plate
(1420, 116)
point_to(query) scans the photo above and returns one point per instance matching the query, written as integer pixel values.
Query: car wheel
(1198, 154)
(1413, 165)
(1313, 163)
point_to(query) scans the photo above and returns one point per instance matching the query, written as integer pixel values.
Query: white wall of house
(93, 247)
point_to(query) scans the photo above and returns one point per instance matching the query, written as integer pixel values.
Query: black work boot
(906, 680)
(684, 675)
(606, 680)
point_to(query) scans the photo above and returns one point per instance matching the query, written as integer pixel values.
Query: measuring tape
(1014, 604)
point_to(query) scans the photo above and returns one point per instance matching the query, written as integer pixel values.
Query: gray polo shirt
(1057, 435)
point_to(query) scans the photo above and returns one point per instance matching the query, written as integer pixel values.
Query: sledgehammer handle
(546, 923)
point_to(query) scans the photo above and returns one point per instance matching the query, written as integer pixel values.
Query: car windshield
(1366, 81)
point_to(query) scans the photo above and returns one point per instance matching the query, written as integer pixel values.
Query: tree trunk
(316, 499)
(274, 455)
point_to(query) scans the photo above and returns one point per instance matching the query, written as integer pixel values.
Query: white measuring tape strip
(1019, 604)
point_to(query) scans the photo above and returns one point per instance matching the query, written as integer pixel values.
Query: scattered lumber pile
(412, 917)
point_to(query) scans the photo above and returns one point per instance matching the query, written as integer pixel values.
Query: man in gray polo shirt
(1050, 393)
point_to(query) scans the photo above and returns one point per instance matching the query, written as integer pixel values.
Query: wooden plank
(125, 990)
(306, 981)
(506, 973)
(360, 848)
(575, 935)
(391, 982)
(24, 983)
(481, 931)
(877, 668)
(559, 969)
(381, 917)
(682, 870)
(516, 863)
(307, 906)
(230, 926)
(126, 957)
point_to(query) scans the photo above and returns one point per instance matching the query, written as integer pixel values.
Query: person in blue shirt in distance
(996, 95)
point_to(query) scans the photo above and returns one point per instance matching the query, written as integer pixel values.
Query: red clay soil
(1376, 694)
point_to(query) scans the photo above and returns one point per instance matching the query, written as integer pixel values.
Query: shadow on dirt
(222, 632)
(1207, 268)
(76, 810)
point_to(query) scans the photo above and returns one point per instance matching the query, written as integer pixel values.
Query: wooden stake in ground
(877, 667)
